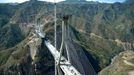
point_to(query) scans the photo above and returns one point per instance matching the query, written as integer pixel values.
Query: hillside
(100, 30)
(122, 64)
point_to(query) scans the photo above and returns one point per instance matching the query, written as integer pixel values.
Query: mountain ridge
(101, 30)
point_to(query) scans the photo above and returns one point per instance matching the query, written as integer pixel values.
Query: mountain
(129, 1)
(8, 31)
(99, 30)
(122, 64)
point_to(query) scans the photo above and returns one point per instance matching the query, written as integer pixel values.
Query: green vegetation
(96, 26)
(119, 67)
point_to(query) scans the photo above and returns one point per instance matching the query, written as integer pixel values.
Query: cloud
(75, 0)
(52, 0)
(12, 1)
(20, 1)
(108, 1)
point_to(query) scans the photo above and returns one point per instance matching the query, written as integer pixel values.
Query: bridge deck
(65, 65)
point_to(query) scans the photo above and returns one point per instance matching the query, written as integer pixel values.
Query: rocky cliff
(99, 30)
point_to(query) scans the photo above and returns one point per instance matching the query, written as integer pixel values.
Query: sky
(20, 1)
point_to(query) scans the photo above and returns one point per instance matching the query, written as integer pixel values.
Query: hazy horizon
(20, 1)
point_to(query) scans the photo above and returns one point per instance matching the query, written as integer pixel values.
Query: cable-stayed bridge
(65, 64)
(61, 62)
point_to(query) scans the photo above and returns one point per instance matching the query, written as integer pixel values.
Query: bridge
(63, 65)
